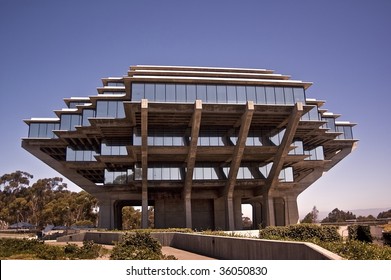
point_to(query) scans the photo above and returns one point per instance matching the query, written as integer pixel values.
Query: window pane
(299, 95)
(137, 92)
(251, 94)
(112, 109)
(87, 113)
(279, 93)
(33, 131)
(221, 94)
(231, 94)
(120, 109)
(241, 94)
(160, 92)
(150, 92)
(190, 93)
(201, 92)
(101, 109)
(270, 98)
(347, 130)
(170, 93)
(65, 122)
(288, 93)
(211, 94)
(181, 93)
(261, 98)
(42, 130)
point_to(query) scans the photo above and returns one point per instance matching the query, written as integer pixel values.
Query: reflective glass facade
(220, 94)
(110, 109)
(81, 155)
(43, 130)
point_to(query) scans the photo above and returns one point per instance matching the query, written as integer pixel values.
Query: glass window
(65, 122)
(241, 94)
(34, 130)
(347, 131)
(87, 113)
(190, 93)
(181, 93)
(330, 124)
(279, 94)
(251, 94)
(261, 98)
(221, 94)
(211, 94)
(120, 109)
(149, 92)
(101, 109)
(137, 92)
(299, 95)
(231, 94)
(289, 97)
(160, 94)
(201, 92)
(112, 109)
(170, 93)
(270, 97)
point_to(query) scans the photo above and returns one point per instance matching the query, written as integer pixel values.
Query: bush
(138, 246)
(358, 250)
(360, 233)
(34, 249)
(302, 232)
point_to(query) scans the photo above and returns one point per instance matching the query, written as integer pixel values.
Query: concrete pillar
(268, 218)
(106, 214)
(144, 207)
(291, 210)
(188, 213)
(229, 210)
(219, 213)
(237, 205)
(257, 214)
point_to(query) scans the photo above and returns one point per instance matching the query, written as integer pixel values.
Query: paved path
(183, 255)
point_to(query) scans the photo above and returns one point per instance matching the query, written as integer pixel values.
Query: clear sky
(52, 50)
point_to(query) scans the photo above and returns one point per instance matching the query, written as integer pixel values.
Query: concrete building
(194, 142)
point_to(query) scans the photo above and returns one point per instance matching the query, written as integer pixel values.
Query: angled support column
(144, 163)
(235, 163)
(278, 162)
(191, 157)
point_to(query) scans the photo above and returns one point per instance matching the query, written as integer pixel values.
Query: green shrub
(358, 250)
(360, 233)
(137, 246)
(51, 253)
(89, 250)
(302, 232)
(12, 246)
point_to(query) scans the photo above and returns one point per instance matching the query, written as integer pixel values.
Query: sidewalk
(183, 255)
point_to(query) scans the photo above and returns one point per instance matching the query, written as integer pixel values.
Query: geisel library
(194, 142)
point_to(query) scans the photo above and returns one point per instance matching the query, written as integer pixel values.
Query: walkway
(183, 255)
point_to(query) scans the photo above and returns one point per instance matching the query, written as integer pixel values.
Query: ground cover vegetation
(32, 249)
(357, 247)
(138, 246)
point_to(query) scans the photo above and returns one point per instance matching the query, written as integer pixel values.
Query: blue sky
(52, 50)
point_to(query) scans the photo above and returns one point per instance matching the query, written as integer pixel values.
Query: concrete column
(106, 214)
(291, 210)
(220, 213)
(230, 219)
(188, 212)
(268, 218)
(257, 214)
(237, 204)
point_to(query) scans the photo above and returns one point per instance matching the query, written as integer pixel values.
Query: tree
(247, 223)
(311, 217)
(385, 214)
(338, 216)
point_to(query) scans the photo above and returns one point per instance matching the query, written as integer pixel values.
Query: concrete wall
(221, 247)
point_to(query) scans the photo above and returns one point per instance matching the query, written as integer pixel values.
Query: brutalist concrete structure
(194, 142)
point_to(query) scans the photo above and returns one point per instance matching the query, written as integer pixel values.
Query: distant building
(194, 142)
